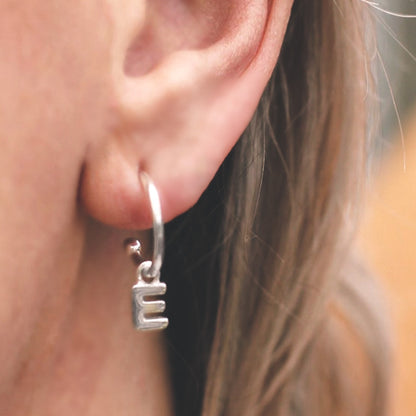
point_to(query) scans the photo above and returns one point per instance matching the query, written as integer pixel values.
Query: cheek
(54, 77)
(53, 67)
(54, 74)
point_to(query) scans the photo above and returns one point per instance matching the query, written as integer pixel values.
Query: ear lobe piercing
(146, 312)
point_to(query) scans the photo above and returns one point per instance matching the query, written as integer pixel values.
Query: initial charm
(145, 311)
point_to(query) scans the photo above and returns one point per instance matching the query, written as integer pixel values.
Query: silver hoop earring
(145, 312)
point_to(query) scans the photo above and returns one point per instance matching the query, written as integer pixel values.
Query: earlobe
(181, 99)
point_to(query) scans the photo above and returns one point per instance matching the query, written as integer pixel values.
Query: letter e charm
(145, 311)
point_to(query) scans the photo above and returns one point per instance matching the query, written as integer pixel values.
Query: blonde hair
(266, 290)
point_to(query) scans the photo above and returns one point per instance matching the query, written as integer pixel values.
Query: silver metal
(158, 233)
(134, 248)
(145, 311)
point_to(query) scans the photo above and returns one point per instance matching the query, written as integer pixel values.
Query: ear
(186, 78)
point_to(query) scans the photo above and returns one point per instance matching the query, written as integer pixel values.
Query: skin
(91, 92)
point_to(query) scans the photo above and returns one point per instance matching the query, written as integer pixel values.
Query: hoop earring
(144, 311)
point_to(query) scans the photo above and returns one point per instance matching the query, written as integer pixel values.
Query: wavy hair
(272, 313)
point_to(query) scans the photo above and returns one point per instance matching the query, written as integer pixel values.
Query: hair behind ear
(287, 198)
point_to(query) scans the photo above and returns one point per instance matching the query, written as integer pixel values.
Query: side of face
(92, 92)
(54, 80)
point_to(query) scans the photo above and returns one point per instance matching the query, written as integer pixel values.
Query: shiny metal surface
(134, 248)
(158, 232)
(145, 311)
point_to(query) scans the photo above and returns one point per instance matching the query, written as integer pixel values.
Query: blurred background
(388, 231)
